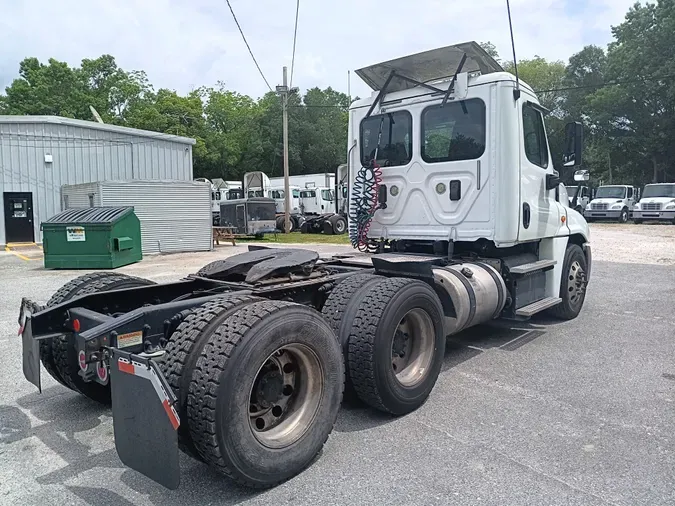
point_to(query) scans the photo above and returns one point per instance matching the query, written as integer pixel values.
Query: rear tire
(573, 284)
(340, 309)
(396, 345)
(239, 386)
(63, 351)
(184, 347)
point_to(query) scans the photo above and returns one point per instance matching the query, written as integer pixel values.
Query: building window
(395, 141)
(65, 202)
(534, 136)
(91, 200)
(453, 132)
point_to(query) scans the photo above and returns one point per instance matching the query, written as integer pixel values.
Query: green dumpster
(92, 238)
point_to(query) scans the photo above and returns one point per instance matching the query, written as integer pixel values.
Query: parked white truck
(244, 364)
(656, 204)
(612, 202)
(579, 197)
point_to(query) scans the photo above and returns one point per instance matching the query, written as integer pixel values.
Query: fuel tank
(475, 293)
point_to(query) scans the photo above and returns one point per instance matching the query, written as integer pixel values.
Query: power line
(249, 47)
(295, 36)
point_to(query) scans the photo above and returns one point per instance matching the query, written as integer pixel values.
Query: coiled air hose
(363, 204)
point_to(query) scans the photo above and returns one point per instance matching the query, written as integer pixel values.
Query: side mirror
(574, 136)
(582, 175)
(552, 181)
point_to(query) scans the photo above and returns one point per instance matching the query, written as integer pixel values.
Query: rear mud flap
(31, 353)
(144, 419)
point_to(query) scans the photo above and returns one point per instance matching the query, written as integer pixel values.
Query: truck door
(631, 198)
(539, 210)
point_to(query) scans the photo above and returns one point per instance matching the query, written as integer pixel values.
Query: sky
(184, 44)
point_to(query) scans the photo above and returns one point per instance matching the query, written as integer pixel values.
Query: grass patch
(298, 238)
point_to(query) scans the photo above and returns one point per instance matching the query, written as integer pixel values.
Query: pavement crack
(523, 465)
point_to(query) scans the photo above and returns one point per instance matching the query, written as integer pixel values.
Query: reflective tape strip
(138, 369)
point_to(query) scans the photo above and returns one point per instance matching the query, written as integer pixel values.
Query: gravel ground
(650, 243)
(573, 413)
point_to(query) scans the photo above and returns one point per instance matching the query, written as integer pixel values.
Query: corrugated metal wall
(80, 195)
(80, 155)
(175, 216)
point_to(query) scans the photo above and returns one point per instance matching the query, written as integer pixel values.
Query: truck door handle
(526, 215)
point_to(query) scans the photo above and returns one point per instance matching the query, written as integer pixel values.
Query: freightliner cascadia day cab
(457, 217)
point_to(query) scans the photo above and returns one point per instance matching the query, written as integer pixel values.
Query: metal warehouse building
(40, 154)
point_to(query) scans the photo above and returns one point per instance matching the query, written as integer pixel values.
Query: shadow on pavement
(64, 415)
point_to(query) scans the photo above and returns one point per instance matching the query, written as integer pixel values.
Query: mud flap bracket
(144, 418)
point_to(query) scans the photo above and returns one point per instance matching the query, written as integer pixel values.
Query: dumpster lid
(90, 215)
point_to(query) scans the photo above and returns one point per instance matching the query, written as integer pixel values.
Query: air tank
(476, 292)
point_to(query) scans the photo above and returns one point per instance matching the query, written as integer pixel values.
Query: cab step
(537, 307)
(540, 265)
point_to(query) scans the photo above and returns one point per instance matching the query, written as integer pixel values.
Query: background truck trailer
(244, 364)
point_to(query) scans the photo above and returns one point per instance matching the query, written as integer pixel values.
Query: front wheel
(573, 284)
(623, 217)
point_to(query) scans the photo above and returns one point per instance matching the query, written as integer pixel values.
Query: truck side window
(630, 192)
(454, 132)
(395, 142)
(534, 136)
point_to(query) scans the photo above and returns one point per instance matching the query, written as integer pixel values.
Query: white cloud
(182, 45)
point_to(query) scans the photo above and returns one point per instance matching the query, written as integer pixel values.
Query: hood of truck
(656, 200)
(607, 201)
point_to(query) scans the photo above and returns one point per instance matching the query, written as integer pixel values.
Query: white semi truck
(243, 365)
(656, 204)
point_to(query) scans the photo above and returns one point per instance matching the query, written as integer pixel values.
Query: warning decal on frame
(75, 234)
(130, 339)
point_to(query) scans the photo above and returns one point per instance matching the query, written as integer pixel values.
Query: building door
(18, 217)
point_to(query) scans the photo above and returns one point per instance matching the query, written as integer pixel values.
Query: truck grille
(599, 207)
(651, 207)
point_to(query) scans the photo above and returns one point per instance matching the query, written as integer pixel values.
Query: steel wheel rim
(340, 226)
(412, 347)
(285, 396)
(576, 283)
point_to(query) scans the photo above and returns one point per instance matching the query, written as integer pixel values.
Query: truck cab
(579, 197)
(657, 203)
(612, 202)
(453, 154)
(317, 200)
(279, 196)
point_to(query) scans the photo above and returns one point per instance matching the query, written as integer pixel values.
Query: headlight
(616, 206)
(636, 207)
(671, 205)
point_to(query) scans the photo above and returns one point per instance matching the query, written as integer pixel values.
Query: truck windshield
(307, 194)
(611, 192)
(659, 190)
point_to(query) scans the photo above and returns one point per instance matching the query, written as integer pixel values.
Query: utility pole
(609, 164)
(283, 91)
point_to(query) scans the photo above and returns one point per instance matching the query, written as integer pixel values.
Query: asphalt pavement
(572, 413)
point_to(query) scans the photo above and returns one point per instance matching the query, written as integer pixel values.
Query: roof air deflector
(428, 66)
